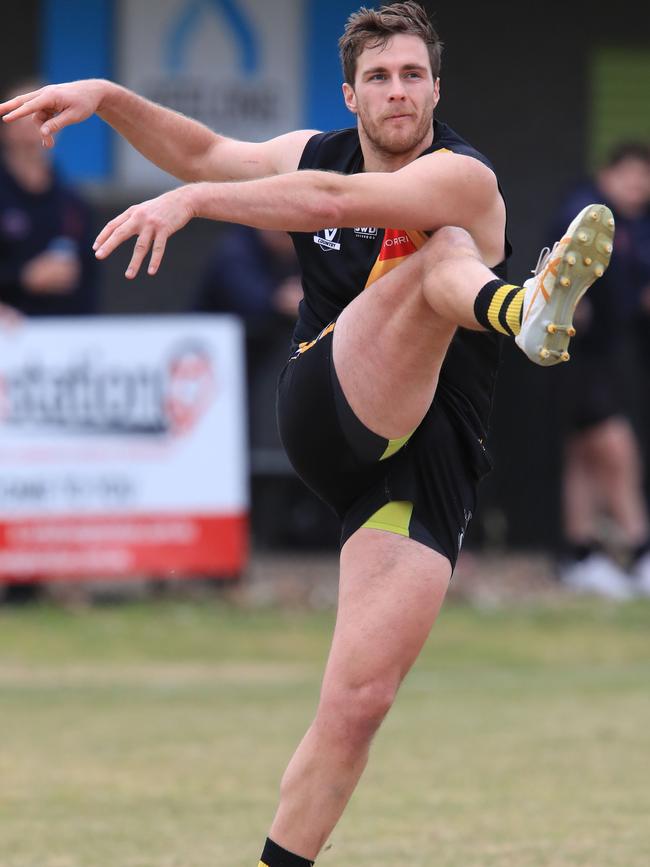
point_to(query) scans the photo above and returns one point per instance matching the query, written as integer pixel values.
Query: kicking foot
(562, 277)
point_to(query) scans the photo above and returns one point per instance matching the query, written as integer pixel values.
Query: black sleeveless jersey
(338, 264)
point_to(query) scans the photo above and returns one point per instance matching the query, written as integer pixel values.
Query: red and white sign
(123, 447)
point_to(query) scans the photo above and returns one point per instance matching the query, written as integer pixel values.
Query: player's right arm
(183, 147)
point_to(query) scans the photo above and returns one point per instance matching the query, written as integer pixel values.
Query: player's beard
(395, 141)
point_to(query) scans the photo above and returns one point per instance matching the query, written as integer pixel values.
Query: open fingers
(11, 105)
(39, 119)
(159, 244)
(140, 250)
(58, 122)
(108, 230)
(22, 106)
(121, 233)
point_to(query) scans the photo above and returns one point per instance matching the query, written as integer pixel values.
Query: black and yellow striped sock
(498, 307)
(275, 856)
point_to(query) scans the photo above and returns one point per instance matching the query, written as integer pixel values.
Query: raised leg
(390, 342)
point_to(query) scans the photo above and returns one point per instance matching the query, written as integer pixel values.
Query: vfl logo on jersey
(328, 239)
(366, 232)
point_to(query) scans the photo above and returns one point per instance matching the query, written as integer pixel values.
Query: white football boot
(561, 277)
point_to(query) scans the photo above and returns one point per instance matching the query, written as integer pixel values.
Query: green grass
(155, 734)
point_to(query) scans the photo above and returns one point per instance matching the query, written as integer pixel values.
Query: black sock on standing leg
(275, 856)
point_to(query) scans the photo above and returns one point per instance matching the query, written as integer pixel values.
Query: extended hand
(56, 106)
(153, 222)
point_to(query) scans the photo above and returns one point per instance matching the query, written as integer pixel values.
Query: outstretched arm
(185, 148)
(434, 191)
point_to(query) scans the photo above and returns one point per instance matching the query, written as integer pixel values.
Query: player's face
(394, 95)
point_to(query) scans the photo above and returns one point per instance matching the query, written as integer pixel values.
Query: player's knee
(449, 242)
(354, 713)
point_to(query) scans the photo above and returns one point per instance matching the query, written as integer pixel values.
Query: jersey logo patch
(328, 239)
(397, 244)
(370, 233)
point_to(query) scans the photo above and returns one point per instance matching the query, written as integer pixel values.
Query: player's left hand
(153, 222)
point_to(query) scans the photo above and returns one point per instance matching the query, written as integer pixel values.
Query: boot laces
(544, 255)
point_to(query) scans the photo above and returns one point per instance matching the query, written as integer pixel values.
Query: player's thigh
(391, 590)
(389, 346)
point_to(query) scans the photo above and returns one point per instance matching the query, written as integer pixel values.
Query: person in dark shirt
(255, 275)
(400, 226)
(46, 262)
(602, 463)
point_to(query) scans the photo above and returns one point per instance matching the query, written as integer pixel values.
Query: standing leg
(390, 593)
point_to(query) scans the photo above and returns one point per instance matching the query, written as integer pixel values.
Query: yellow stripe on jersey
(385, 266)
(495, 307)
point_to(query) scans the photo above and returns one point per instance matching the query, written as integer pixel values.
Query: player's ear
(436, 92)
(350, 98)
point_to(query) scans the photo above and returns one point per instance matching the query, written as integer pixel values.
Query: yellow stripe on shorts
(395, 445)
(394, 517)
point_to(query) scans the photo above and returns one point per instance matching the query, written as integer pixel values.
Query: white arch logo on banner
(235, 65)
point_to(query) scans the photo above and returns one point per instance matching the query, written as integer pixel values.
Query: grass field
(154, 735)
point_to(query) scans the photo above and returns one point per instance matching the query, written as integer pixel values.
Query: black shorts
(424, 488)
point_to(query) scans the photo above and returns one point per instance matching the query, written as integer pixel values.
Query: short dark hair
(375, 27)
(627, 150)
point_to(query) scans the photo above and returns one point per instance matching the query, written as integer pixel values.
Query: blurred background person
(606, 524)
(47, 266)
(254, 274)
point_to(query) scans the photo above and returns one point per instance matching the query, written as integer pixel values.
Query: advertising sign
(122, 447)
(235, 65)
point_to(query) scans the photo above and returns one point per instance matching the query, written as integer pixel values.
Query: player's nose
(397, 90)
